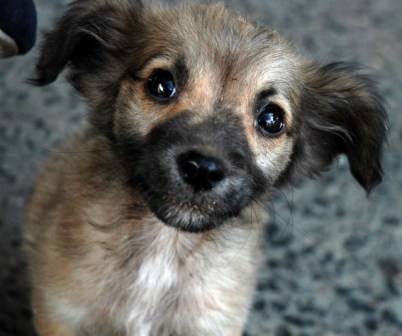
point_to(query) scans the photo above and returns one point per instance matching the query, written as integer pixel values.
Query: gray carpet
(333, 257)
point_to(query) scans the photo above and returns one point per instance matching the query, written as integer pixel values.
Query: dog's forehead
(221, 46)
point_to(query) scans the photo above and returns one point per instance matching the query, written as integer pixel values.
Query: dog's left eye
(161, 85)
(271, 119)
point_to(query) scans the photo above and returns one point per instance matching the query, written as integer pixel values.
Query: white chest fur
(190, 284)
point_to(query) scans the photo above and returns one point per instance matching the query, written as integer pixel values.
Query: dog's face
(209, 111)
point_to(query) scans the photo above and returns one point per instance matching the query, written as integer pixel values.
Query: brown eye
(161, 85)
(271, 119)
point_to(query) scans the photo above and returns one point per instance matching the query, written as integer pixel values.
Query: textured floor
(333, 257)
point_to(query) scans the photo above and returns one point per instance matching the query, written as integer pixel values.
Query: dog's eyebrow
(263, 97)
(181, 71)
(265, 94)
(137, 70)
(178, 67)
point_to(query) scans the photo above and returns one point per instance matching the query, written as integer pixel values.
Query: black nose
(200, 171)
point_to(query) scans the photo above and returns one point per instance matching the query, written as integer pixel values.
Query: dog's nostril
(190, 168)
(200, 171)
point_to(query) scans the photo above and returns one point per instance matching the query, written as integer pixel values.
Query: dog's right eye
(271, 120)
(161, 85)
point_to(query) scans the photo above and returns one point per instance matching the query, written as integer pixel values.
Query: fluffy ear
(88, 32)
(341, 112)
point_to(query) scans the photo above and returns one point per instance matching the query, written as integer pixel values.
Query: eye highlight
(161, 85)
(271, 120)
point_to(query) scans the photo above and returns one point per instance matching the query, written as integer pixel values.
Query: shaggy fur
(146, 221)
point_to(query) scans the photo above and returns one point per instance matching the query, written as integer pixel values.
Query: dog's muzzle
(195, 176)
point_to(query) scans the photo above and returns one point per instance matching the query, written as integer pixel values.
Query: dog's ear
(341, 113)
(89, 31)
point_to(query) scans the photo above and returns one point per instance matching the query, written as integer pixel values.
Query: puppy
(146, 222)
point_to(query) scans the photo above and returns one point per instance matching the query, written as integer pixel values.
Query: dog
(147, 221)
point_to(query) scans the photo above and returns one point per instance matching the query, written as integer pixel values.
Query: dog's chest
(165, 282)
(185, 285)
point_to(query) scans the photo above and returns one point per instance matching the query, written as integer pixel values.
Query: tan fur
(102, 262)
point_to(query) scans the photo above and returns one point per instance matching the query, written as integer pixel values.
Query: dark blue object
(18, 21)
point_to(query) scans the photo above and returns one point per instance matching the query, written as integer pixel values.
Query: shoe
(18, 23)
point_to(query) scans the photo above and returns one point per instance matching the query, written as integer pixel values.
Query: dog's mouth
(196, 211)
(190, 217)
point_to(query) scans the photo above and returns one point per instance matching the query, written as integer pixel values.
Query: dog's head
(208, 110)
